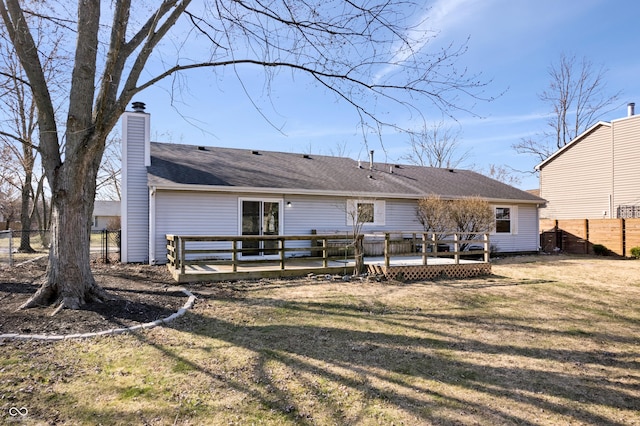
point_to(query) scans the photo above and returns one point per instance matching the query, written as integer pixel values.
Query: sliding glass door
(260, 217)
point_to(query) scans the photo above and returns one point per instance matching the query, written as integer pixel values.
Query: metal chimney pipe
(631, 109)
(138, 106)
(371, 160)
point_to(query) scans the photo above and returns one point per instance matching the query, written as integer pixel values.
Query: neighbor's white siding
(135, 193)
(578, 183)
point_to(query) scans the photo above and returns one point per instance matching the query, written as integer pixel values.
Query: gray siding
(327, 214)
(135, 205)
(578, 183)
(319, 213)
(208, 213)
(526, 238)
(193, 213)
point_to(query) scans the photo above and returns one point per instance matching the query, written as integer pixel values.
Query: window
(366, 212)
(503, 220)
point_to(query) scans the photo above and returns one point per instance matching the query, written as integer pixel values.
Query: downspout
(610, 206)
(538, 228)
(152, 226)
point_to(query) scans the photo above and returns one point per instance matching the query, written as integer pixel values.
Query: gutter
(298, 191)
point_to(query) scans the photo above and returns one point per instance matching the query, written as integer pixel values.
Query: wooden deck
(402, 269)
(225, 271)
(419, 264)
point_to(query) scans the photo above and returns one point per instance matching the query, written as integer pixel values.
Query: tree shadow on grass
(433, 377)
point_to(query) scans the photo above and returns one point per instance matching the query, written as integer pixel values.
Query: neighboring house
(105, 213)
(596, 174)
(204, 190)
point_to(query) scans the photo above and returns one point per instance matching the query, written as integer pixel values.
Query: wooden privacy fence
(578, 236)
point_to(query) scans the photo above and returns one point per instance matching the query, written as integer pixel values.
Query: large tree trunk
(25, 216)
(69, 280)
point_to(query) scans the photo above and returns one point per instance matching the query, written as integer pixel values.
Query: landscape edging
(56, 337)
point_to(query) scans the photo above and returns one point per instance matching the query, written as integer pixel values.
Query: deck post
(435, 242)
(424, 248)
(181, 255)
(281, 249)
(387, 243)
(487, 248)
(456, 248)
(325, 253)
(234, 255)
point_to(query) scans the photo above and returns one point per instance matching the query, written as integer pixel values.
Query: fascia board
(297, 191)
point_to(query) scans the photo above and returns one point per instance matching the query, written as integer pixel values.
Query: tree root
(42, 297)
(48, 295)
(58, 309)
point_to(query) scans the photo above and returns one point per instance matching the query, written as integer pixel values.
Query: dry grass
(546, 340)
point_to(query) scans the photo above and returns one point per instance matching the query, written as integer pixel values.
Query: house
(205, 190)
(105, 214)
(595, 176)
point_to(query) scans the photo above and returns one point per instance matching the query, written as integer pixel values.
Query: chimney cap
(138, 106)
(631, 109)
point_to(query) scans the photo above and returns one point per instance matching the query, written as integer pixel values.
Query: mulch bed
(141, 294)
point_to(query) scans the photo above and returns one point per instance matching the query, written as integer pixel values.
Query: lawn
(544, 341)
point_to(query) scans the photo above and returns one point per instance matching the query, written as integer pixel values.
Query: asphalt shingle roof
(177, 164)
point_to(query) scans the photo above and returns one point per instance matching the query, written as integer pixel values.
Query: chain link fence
(109, 250)
(15, 245)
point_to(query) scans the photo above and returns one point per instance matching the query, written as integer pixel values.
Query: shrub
(600, 250)
(635, 252)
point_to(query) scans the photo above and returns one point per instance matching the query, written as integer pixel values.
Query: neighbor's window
(503, 220)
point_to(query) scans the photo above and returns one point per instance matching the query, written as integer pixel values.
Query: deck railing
(185, 250)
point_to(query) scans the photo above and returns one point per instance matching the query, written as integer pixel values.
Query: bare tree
(437, 145)
(108, 184)
(7, 186)
(19, 131)
(357, 52)
(359, 212)
(339, 149)
(469, 216)
(433, 214)
(504, 174)
(578, 97)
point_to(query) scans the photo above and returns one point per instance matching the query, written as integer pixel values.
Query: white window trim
(379, 207)
(513, 212)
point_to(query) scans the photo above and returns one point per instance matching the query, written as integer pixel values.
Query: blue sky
(512, 43)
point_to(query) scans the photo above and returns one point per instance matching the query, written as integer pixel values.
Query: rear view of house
(206, 190)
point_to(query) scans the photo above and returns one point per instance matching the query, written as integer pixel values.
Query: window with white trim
(366, 212)
(506, 222)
